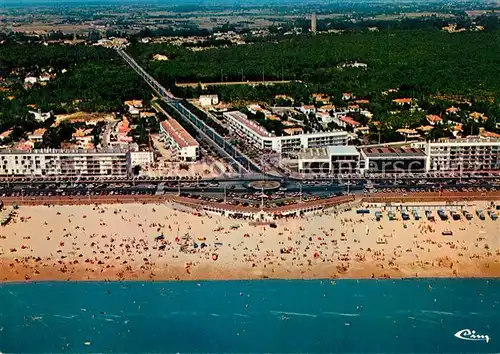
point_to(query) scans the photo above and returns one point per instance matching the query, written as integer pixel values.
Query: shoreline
(17, 274)
(120, 242)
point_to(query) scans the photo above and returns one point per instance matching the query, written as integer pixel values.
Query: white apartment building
(140, 158)
(182, 144)
(56, 162)
(40, 116)
(468, 154)
(256, 135)
(209, 100)
(37, 135)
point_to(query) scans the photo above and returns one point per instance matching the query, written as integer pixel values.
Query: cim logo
(467, 334)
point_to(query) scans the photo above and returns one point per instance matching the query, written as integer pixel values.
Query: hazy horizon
(28, 3)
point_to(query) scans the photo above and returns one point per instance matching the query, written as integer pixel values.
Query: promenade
(238, 210)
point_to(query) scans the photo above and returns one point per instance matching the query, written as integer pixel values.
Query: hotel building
(468, 154)
(352, 160)
(182, 144)
(256, 135)
(56, 162)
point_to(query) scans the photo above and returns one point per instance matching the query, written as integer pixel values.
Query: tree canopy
(423, 60)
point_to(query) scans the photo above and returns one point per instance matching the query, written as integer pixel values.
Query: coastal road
(207, 132)
(370, 198)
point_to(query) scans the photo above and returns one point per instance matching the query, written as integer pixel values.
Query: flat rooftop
(178, 133)
(251, 125)
(314, 154)
(326, 152)
(393, 152)
(345, 150)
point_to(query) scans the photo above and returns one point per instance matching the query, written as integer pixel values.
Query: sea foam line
(423, 320)
(241, 315)
(342, 314)
(439, 312)
(70, 317)
(293, 313)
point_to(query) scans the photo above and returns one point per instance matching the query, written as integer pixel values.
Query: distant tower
(313, 23)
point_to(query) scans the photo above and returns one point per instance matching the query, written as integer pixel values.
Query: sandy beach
(156, 242)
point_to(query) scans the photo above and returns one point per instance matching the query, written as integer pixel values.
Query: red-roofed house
(346, 96)
(293, 131)
(433, 119)
(222, 107)
(5, 134)
(324, 117)
(184, 146)
(487, 134)
(348, 121)
(37, 135)
(321, 97)
(122, 130)
(402, 101)
(408, 133)
(326, 108)
(283, 97)
(83, 137)
(306, 109)
(25, 146)
(477, 116)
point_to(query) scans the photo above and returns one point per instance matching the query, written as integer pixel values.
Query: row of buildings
(256, 135)
(73, 162)
(454, 155)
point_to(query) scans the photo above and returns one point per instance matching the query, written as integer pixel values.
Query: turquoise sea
(313, 316)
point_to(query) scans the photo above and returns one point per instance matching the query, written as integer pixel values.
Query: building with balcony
(254, 134)
(468, 154)
(144, 159)
(59, 162)
(183, 146)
